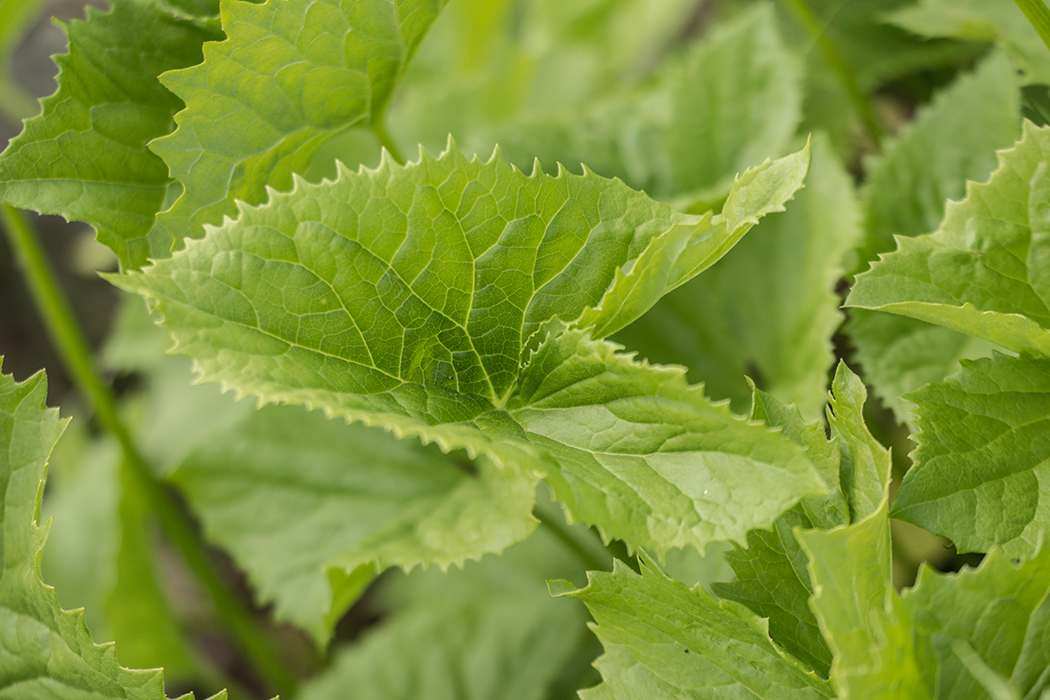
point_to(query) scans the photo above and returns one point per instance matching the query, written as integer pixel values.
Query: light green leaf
(978, 20)
(772, 578)
(490, 630)
(663, 640)
(981, 627)
(866, 464)
(46, 651)
(647, 458)
(981, 467)
(488, 64)
(296, 498)
(85, 157)
(951, 141)
(985, 271)
(936, 638)
(730, 102)
(850, 569)
(316, 68)
(309, 508)
(769, 309)
(411, 297)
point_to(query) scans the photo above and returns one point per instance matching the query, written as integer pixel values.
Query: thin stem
(591, 559)
(1038, 16)
(379, 129)
(177, 525)
(838, 64)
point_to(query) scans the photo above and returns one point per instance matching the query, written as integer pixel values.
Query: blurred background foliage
(906, 100)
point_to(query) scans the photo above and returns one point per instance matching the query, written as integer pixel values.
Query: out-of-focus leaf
(728, 103)
(490, 630)
(976, 20)
(297, 498)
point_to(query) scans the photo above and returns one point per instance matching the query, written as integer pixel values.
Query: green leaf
(997, 615)
(498, 647)
(293, 496)
(866, 464)
(982, 461)
(772, 578)
(137, 593)
(647, 458)
(663, 640)
(951, 141)
(85, 156)
(850, 569)
(490, 630)
(769, 309)
(772, 581)
(875, 50)
(984, 272)
(730, 102)
(83, 491)
(412, 296)
(954, 635)
(47, 651)
(317, 68)
(976, 20)
(491, 63)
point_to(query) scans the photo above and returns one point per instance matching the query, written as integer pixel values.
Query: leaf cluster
(592, 339)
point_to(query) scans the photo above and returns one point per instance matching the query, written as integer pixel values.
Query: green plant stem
(379, 129)
(177, 525)
(1038, 16)
(591, 558)
(838, 64)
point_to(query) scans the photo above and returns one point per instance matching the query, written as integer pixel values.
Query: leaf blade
(46, 650)
(317, 68)
(982, 272)
(85, 156)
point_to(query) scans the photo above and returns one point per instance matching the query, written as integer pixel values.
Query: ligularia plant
(523, 350)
